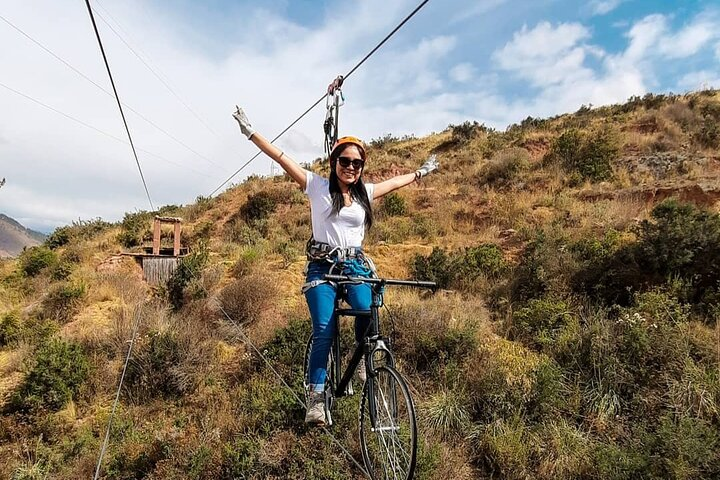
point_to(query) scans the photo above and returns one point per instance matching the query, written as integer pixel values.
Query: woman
(341, 210)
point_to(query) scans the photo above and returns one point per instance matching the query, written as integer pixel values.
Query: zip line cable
(417, 9)
(157, 75)
(172, 137)
(109, 135)
(136, 323)
(117, 97)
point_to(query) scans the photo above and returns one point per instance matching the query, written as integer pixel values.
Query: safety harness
(349, 261)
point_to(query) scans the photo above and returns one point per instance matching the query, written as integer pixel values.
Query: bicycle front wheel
(388, 433)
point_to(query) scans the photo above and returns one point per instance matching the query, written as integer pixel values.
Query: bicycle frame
(372, 341)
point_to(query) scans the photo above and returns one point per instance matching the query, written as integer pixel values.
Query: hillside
(14, 237)
(575, 335)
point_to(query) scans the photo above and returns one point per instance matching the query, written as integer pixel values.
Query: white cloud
(475, 10)
(547, 55)
(463, 72)
(603, 7)
(690, 39)
(699, 80)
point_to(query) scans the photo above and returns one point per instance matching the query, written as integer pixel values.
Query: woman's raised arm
(387, 186)
(292, 168)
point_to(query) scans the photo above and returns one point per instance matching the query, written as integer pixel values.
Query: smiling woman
(341, 212)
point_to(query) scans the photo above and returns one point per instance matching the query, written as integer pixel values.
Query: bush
(429, 338)
(80, 229)
(247, 297)
(151, 370)
(590, 155)
(541, 321)
(189, 268)
(259, 206)
(507, 380)
(10, 329)
(63, 301)
(682, 242)
(458, 269)
(436, 267)
(485, 259)
(466, 131)
(59, 370)
(708, 136)
(34, 259)
(503, 166)
(394, 205)
(135, 228)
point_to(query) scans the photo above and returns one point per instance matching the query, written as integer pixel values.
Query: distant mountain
(14, 237)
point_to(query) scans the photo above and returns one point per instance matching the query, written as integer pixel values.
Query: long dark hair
(357, 189)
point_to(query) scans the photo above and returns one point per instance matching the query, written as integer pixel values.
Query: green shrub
(34, 259)
(259, 206)
(436, 267)
(541, 321)
(135, 227)
(189, 269)
(80, 229)
(466, 131)
(150, 372)
(10, 328)
(287, 346)
(59, 369)
(683, 241)
(708, 136)
(590, 155)
(63, 301)
(428, 338)
(240, 458)
(485, 259)
(458, 269)
(394, 205)
(61, 270)
(619, 462)
(687, 448)
(383, 141)
(59, 237)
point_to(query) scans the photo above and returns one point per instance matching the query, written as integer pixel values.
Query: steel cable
(117, 97)
(417, 9)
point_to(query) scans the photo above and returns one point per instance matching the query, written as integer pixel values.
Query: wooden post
(156, 236)
(176, 240)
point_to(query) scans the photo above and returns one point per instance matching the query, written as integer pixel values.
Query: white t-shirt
(347, 228)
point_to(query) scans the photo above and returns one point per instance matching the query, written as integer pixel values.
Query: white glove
(244, 123)
(430, 164)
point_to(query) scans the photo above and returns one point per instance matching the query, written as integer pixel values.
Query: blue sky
(492, 61)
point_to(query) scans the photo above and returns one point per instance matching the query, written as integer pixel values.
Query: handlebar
(381, 281)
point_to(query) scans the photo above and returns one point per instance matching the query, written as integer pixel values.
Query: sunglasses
(345, 162)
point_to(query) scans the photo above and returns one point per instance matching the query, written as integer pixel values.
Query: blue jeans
(321, 302)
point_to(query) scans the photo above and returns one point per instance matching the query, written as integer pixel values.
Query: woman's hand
(244, 123)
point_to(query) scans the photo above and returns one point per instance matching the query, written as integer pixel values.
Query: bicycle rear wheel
(388, 433)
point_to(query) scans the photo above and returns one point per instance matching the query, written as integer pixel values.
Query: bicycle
(388, 430)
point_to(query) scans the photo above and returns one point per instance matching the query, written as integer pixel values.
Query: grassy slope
(508, 383)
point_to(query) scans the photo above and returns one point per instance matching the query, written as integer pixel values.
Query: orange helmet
(352, 140)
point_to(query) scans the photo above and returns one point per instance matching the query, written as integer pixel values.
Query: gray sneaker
(315, 413)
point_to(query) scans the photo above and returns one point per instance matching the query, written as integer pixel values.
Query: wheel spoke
(389, 443)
